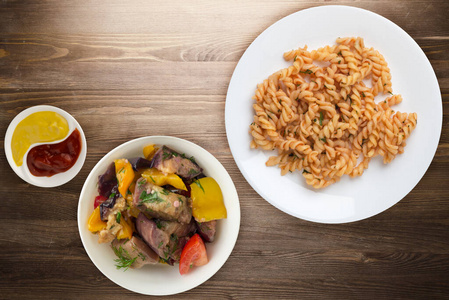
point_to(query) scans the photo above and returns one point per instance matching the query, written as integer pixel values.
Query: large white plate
(161, 279)
(381, 186)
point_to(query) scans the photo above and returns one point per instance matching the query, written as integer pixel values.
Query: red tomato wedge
(98, 200)
(193, 254)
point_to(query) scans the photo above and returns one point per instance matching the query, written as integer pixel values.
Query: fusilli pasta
(322, 117)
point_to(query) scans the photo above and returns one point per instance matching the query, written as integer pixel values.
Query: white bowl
(161, 279)
(23, 171)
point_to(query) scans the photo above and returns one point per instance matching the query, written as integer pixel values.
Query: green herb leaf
(305, 171)
(193, 172)
(308, 71)
(323, 139)
(117, 218)
(166, 155)
(321, 118)
(124, 260)
(150, 198)
(199, 184)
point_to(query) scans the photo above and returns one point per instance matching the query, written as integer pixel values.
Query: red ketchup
(50, 159)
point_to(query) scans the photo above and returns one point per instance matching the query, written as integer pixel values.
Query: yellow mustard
(39, 127)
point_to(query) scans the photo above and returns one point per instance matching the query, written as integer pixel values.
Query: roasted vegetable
(149, 151)
(125, 175)
(107, 181)
(193, 255)
(126, 232)
(158, 178)
(207, 200)
(95, 224)
(139, 163)
(108, 204)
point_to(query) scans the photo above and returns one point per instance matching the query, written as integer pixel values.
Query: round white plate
(161, 279)
(381, 186)
(23, 171)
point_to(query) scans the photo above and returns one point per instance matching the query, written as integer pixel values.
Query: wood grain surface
(127, 69)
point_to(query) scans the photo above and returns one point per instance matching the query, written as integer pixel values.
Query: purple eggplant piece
(166, 238)
(207, 230)
(179, 191)
(169, 161)
(107, 181)
(139, 163)
(108, 204)
(136, 249)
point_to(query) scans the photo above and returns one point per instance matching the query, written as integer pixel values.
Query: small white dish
(161, 279)
(381, 186)
(23, 171)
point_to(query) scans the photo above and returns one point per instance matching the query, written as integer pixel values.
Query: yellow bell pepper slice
(207, 200)
(149, 151)
(94, 223)
(126, 232)
(125, 175)
(158, 178)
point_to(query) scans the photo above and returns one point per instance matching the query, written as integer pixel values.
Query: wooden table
(127, 69)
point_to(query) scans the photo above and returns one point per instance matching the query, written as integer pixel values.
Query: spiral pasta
(322, 117)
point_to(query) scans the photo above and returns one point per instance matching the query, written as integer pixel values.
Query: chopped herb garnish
(165, 192)
(199, 184)
(112, 195)
(124, 260)
(363, 94)
(321, 118)
(152, 179)
(305, 171)
(142, 182)
(160, 244)
(117, 218)
(192, 159)
(294, 59)
(193, 172)
(180, 200)
(149, 198)
(158, 224)
(173, 237)
(166, 155)
(390, 93)
(323, 139)
(339, 53)
(308, 71)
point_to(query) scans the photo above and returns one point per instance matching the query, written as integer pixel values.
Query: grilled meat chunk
(158, 202)
(169, 161)
(135, 249)
(166, 238)
(207, 230)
